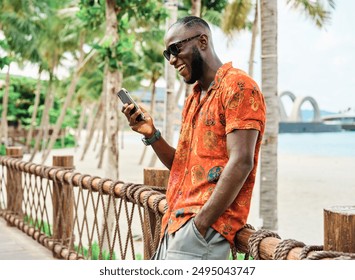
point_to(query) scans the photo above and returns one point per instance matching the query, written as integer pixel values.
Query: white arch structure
(295, 115)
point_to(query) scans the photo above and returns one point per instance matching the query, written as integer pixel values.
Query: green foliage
(21, 96)
(4, 60)
(92, 13)
(40, 225)
(2, 150)
(95, 252)
(21, 100)
(211, 11)
(318, 11)
(69, 141)
(240, 257)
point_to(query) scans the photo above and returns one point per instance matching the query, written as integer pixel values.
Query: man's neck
(208, 78)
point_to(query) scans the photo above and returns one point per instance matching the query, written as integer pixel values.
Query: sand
(306, 185)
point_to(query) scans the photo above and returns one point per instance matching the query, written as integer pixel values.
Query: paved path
(17, 245)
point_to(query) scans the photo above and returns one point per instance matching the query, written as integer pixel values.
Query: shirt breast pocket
(211, 138)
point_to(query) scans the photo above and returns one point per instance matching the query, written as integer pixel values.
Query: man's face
(187, 60)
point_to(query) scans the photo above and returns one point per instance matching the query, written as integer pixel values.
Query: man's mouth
(181, 68)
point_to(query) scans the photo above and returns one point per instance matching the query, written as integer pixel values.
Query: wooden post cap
(345, 209)
(14, 151)
(63, 161)
(339, 229)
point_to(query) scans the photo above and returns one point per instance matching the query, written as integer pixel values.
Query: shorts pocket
(210, 234)
(197, 233)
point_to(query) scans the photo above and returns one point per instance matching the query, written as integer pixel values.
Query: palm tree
(19, 22)
(170, 80)
(235, 18)
(320, 14)
(268, 160)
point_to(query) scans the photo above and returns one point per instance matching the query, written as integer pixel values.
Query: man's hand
(199, 225)
(145, 127)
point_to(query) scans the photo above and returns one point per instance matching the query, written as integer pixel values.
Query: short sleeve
(244, 109)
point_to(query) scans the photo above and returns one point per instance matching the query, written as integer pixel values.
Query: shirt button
(180, 192)
(186, 171)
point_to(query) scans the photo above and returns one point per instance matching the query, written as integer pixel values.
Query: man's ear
(203, 42)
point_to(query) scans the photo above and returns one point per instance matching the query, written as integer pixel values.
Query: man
(213, 168)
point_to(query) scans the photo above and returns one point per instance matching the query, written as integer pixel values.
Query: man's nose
(172, 59)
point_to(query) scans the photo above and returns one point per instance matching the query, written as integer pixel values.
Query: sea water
(318, 144)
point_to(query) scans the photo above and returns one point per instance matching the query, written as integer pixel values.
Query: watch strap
(151, 140)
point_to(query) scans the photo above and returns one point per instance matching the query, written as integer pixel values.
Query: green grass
(95, 252)
(41, 226)
(240, 257)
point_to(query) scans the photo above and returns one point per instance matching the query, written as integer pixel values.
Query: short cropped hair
(191, 21)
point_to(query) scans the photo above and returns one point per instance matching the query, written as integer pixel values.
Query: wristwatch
(151, 140)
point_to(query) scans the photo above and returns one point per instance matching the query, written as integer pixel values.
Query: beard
(196, 67)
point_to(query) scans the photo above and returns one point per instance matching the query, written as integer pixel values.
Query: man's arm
(241, 149)
(163, 150)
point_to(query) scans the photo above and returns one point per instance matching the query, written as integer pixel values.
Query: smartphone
(125, 97)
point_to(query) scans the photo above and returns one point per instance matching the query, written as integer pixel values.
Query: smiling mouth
(181, 68)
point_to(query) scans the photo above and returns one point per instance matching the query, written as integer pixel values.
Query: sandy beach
(306, 184)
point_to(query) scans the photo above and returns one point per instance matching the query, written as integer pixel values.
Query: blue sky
(311, 62)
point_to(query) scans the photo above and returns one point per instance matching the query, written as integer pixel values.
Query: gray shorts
(188, 244)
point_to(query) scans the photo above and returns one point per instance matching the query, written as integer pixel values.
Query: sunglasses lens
(166, 55)
(173, 49)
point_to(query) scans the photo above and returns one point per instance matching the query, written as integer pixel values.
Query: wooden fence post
(159, 178)
(339, 229)
(14, 192)
(63, 206)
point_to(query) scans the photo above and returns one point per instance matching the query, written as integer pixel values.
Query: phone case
(125, 97)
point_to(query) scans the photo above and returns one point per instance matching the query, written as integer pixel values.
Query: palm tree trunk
(112, 84)
(268, 160)
(253, 39)
(113, 81)
(83, 114)
(91, 128)
(103, 119)
(152, 109)
(45, 117)
(196, 8)
(68, 99)
(5, 101)
(46, 123)
(34, 113)
(99, 133)
(195, 11)
(170, 81)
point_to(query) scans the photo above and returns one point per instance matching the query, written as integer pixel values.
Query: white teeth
(181, 67)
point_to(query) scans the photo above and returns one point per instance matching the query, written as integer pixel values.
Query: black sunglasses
(174, 49)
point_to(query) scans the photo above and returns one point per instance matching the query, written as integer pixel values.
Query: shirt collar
(221, 72)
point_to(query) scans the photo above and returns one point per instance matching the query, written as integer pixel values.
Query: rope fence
(79, 216)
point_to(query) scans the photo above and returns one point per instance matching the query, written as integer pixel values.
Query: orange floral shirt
(233, 101)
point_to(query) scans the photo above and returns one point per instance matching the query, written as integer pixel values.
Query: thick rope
(255, 240)
(284, 247)
(332, 255)
(307, 249)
